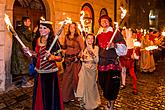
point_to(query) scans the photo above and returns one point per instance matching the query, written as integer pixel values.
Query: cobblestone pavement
(151, 95)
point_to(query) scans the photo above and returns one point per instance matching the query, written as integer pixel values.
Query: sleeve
(121, 48)
(81, 42)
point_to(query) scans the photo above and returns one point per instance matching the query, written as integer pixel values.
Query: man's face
(27, 22)
(104, 23)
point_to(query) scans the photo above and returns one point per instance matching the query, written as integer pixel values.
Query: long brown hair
(76, 34)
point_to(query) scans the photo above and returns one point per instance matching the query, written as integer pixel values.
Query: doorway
(23, 8)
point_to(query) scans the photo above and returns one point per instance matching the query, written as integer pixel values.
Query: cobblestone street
(151, 95)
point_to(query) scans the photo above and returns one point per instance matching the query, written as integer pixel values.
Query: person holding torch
(20, 63)
(46, 93)
(108, 65)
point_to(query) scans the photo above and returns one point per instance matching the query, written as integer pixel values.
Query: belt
(72, 55)
(46, 71)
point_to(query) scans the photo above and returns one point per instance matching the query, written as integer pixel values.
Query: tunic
(109, 69)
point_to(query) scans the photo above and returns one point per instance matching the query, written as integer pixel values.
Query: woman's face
(104, 23)
(90, 39)
(44, 31)
(72, 28)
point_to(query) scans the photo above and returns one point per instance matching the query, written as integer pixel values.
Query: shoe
(27, 85)
(122, 87)
(135, 92)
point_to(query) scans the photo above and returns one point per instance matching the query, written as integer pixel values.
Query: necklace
(43, 41)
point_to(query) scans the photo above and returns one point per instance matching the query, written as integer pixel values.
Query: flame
(123, 12)
(66, 21)
(79, 26)
(137, 44)
(7, 21)
(151, 47)
(42, 18)
(163, 33)
(82, 21)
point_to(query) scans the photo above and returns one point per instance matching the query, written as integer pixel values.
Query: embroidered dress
(87, 86)
(47, 93)
(147, 63)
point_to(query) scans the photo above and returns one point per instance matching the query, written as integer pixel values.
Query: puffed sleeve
(121, 48)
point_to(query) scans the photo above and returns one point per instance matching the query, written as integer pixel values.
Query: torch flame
(82, 20)
(42, 18)
(66, 21)
(7, 21)
(151, 47)
(137, 44)
(79, 26)
(123, 12)
(163, 33)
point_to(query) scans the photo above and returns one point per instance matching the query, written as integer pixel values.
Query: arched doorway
(89, 17)
(32, 8)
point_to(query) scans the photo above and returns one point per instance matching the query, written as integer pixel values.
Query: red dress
(46, 93)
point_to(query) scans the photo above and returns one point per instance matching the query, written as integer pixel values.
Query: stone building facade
(56, 10)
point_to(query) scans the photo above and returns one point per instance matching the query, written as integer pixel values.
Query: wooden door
(31, 8)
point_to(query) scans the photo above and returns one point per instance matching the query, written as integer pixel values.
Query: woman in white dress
(87, 90)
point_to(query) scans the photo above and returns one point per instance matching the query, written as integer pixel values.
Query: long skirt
(147, 63)
(87, 86)
(110, 83)
(70, 81)
(47, 94)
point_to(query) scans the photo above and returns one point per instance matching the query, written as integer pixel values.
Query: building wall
(56, 10)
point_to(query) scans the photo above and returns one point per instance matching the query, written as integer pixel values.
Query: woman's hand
(84, 57)
(53, 57)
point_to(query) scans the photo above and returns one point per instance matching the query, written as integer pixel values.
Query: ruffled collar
(102, 30)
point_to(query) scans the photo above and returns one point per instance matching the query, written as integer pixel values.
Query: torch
(149, 48)
(63, 23)
(123, 14)
(11, 29)
(81, 25)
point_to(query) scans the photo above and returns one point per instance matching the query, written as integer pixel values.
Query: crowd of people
(88, 58)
